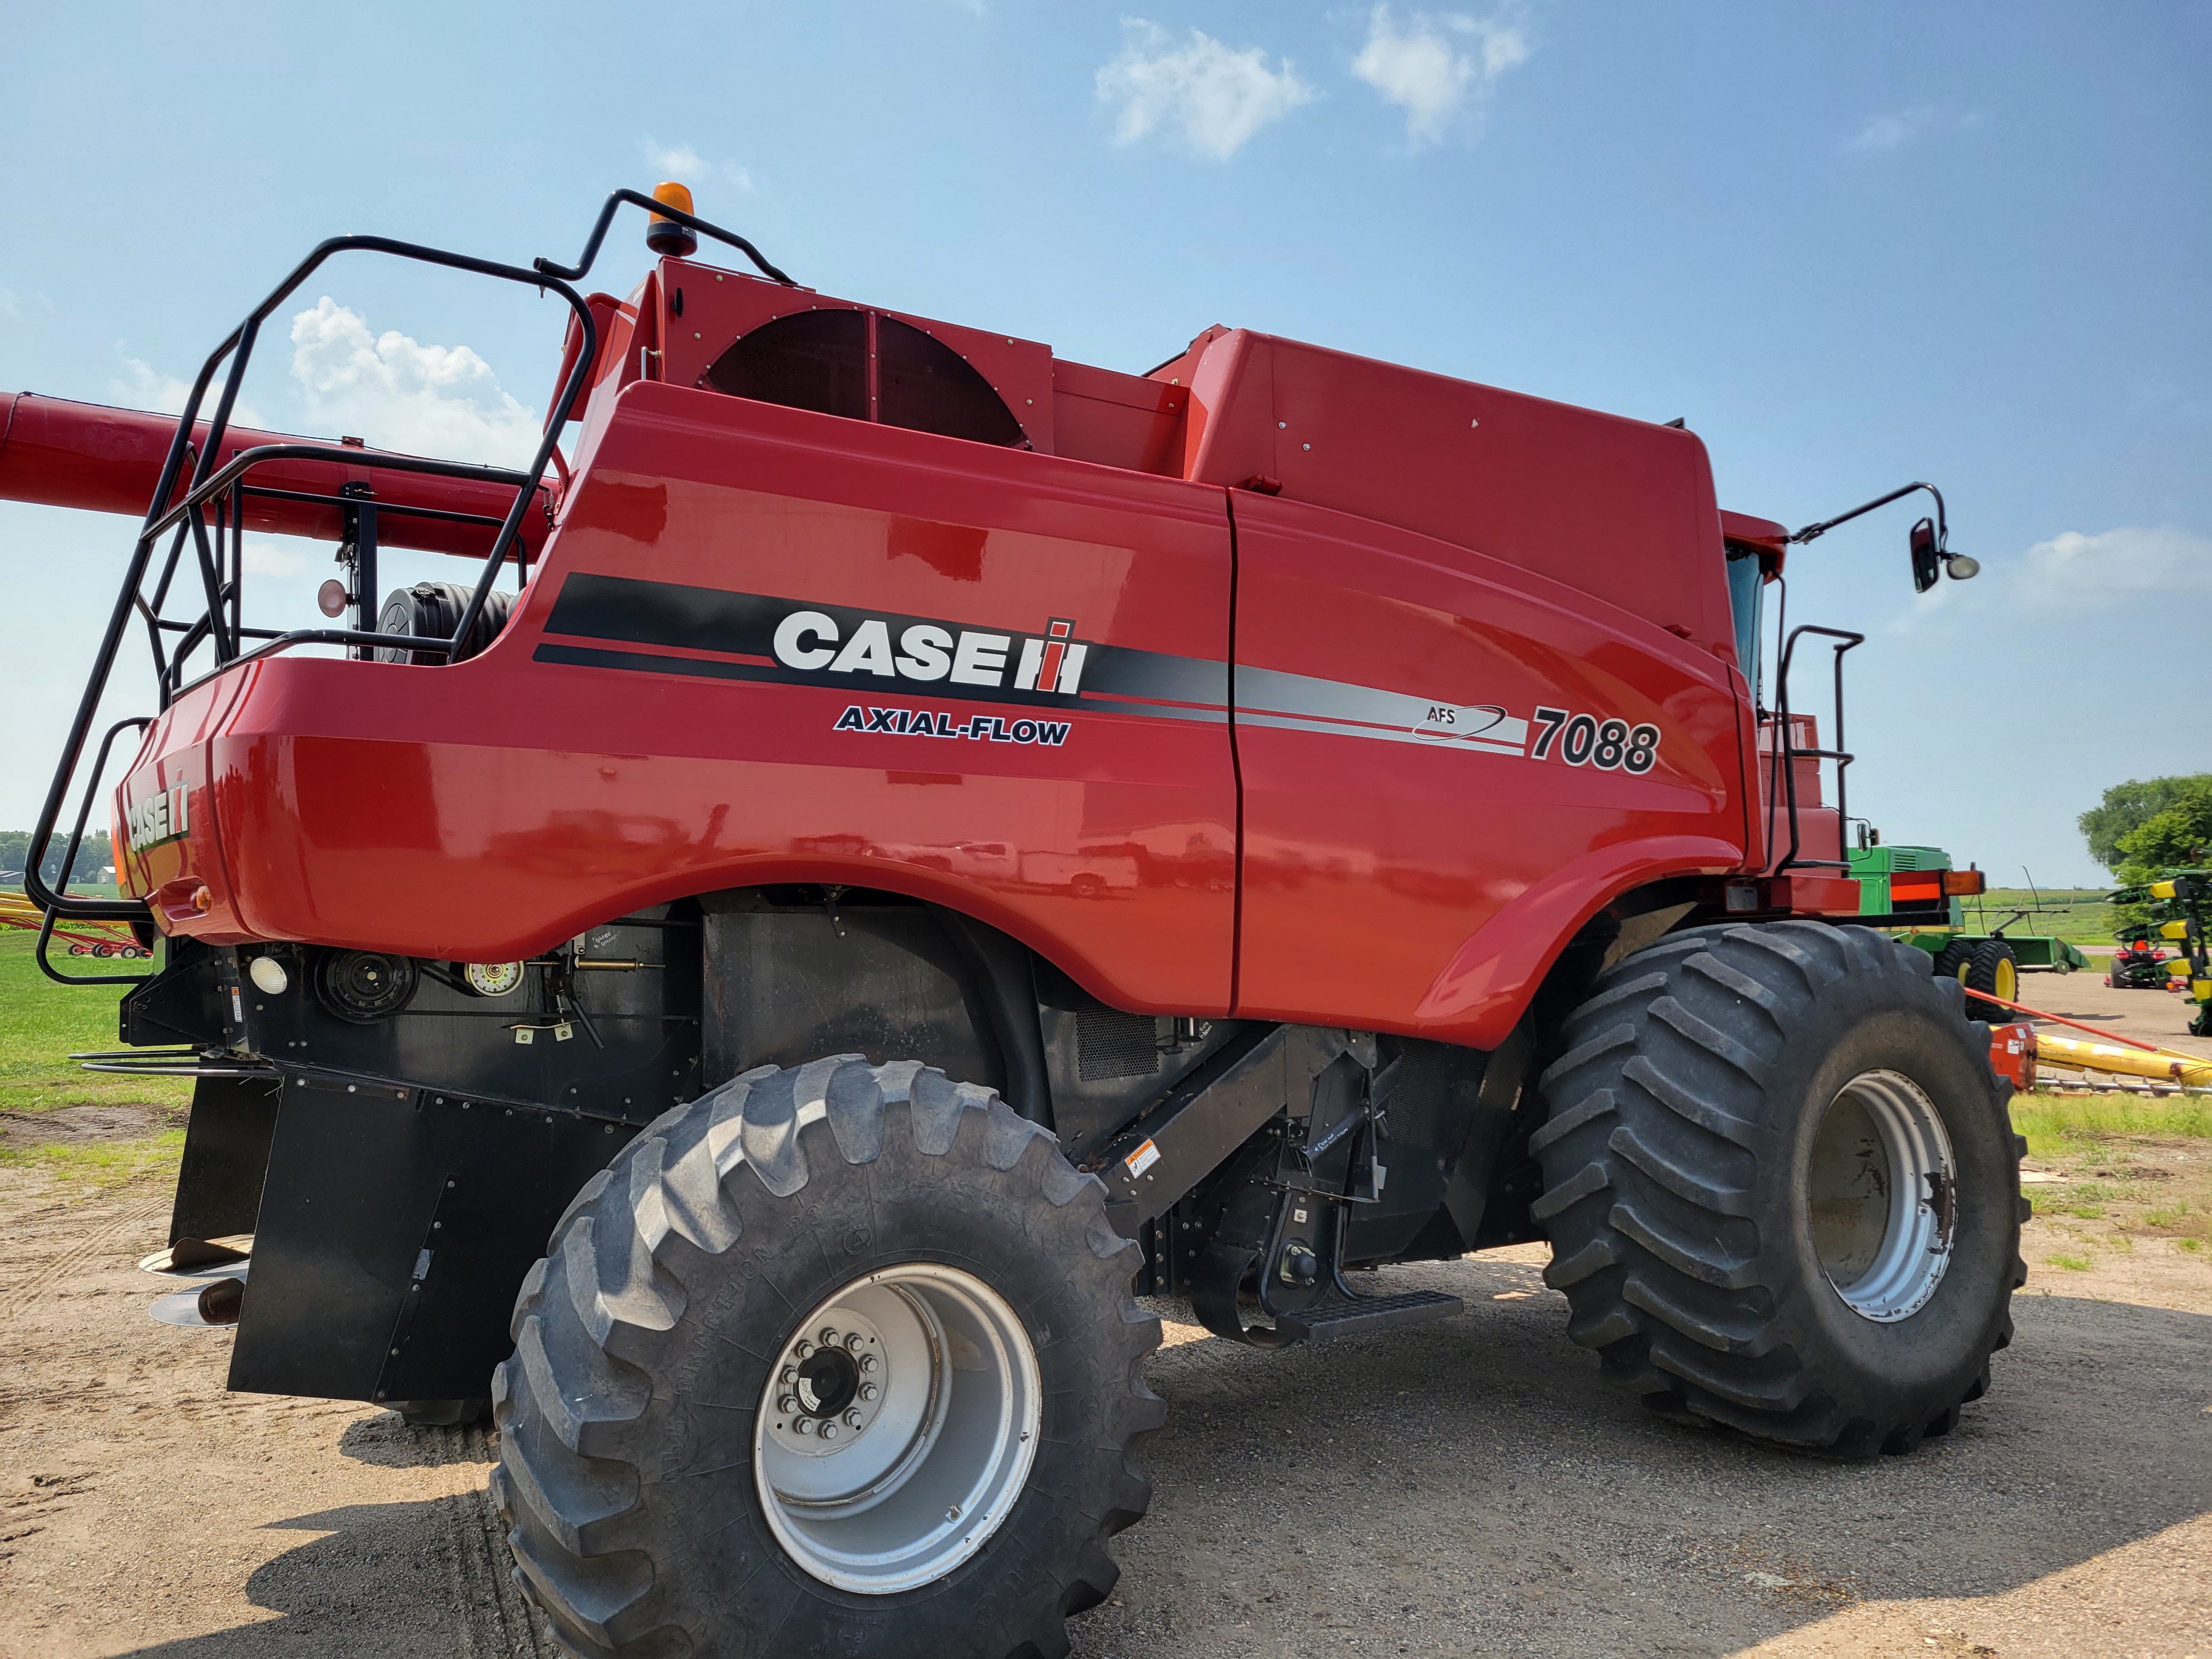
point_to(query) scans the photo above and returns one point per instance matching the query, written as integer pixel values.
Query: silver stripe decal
(1335, 729)
(1295, 703)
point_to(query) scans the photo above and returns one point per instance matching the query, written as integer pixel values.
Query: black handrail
(77, 840)
(575, 273)
(245, 458)
(188, 517)
(1788, 753)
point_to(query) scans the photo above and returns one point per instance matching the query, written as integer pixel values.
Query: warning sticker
(1141, 1160)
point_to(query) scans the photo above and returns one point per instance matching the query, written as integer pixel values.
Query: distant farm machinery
(1916, 889)
(2179, 905)
(86, 938)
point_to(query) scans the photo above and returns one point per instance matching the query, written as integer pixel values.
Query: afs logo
(926, 652)
(1445, 722)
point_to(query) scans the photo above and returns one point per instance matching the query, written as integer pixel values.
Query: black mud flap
(226, 1153)
(396, 1225)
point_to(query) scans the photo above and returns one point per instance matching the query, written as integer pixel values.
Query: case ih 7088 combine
(911, 842)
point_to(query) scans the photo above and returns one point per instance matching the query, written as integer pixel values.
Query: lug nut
(869, 1362)
(802, 1425)
(854, 1341)
(852, 1419)
(829, 1431)
(790, 1374)
(786, 1404)
(867, 1391)
(828, 1336)
(803, 1349)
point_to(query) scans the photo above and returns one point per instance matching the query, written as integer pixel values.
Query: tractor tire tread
(1652, 1162)
(579, 1413)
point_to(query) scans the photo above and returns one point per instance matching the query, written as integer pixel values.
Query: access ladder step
(1367, 1313)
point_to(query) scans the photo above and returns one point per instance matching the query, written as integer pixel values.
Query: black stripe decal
(648, 662)
(676, 615)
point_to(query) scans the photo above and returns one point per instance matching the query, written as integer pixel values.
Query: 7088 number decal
(1586, 740)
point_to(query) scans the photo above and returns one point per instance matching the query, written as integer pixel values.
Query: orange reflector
(1957, 882)
(202, 901)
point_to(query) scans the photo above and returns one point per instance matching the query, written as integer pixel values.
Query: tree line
(92, 859)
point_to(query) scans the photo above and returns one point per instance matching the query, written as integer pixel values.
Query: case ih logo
(158, 818)
(601, 621)
(813, 639)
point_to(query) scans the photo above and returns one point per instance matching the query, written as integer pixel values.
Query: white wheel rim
(882, 1491)
(1882, 1196)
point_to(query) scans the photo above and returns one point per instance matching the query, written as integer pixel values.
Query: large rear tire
(1781, 1187)
(836, 1359)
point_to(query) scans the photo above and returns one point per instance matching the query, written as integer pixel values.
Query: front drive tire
(841, 1358)
(1737, 1166)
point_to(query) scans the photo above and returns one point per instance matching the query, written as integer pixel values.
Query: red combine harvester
(934, 840)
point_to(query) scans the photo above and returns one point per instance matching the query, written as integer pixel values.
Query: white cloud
(682, 162)
(1216, 95)
(2165, 567)
(8, 306)
(266, 557)
(1894, 130)
(2161, 571)
(677, 160)
(140, 386)
(400, 394)
(1436, 66)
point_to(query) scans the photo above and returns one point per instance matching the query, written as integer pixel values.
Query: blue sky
(1853, 246)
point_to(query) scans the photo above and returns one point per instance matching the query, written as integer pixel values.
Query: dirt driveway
(1468, 1487)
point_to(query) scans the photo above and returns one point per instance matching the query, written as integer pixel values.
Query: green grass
(2073, 1264)
(41, 1024)
(2076, 914)
(100, 1164)
(2057, 1124)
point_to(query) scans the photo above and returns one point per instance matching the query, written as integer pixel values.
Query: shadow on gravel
(1472, 1486)
(1465, 1487)
(392, 1581)
(386, 1443)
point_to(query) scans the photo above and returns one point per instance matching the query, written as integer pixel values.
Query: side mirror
(1930, 559)
(1926, 559)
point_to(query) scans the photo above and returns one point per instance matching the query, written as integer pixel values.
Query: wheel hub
(897, 1428)
(1882, 1196)
(829, 1387)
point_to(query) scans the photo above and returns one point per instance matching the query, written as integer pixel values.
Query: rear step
(1367, 1313)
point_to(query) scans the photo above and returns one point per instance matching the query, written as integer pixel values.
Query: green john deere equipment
(1915, 889)
(2180, 913)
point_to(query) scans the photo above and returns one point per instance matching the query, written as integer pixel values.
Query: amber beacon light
(666, 236)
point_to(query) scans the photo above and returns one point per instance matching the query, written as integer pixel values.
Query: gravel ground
(1464, 1487)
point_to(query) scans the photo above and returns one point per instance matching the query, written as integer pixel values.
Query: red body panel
(1484, 685)
(1422, 878)
(487, 810)
(1619, 509)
